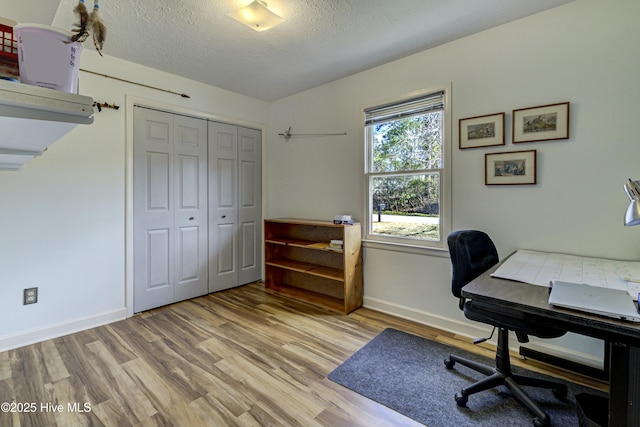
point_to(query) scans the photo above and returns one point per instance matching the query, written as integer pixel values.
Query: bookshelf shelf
(300, 263)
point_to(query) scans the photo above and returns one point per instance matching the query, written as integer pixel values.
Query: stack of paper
(541, 268)
(336, 244)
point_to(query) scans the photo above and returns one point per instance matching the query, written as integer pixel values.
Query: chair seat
(514, 320)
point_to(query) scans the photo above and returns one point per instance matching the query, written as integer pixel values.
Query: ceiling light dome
(256, 16)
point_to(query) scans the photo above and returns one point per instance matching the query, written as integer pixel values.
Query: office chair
(472, 253)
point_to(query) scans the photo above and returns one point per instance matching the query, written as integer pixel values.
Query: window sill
(411, 249)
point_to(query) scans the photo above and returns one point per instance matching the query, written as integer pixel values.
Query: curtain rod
(288, 135)
(135, 83)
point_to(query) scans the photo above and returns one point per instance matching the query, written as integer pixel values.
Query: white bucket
(46, 58)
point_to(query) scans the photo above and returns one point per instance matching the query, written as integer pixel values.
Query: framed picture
(544, 123)
(481, 131)
(510, 168)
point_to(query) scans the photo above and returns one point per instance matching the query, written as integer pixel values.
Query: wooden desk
(624, 337)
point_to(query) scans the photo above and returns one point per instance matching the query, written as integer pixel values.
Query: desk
(624, 337)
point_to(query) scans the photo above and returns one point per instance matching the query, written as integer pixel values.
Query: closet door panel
(153, 209)
(250, 206)
(190, 207)
(223, 206)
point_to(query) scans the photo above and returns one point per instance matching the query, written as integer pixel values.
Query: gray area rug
(407, 374)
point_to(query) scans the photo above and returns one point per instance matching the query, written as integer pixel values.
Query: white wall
(62, 217)
(582, 52)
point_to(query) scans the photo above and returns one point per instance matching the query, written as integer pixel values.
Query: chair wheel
(449, 363)
(461, 399)
(561, 392)
(537, 422)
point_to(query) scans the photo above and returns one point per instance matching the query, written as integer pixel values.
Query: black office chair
(472, 253)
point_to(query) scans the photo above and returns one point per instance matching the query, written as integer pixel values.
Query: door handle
(224, 216)
(190, 218)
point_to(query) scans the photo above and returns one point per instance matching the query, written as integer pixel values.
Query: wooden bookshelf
(299, 262)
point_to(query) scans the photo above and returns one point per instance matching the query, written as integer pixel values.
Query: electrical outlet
(30, 296)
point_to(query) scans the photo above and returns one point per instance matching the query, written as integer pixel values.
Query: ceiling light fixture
(256, 16)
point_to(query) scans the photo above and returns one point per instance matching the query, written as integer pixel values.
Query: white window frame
(403, 244)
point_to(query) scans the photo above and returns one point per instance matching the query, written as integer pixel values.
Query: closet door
(250, 204)
(190, 207)
(235, 205)
(223, 206)
(170, 212)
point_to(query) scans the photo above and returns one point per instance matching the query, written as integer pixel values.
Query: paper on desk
(540, 268)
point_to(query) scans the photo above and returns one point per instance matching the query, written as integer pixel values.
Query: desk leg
(624, 393)
(634, 386)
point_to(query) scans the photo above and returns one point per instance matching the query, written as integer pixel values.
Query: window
(406, 173)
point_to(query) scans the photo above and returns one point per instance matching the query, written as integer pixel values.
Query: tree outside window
(405, 167)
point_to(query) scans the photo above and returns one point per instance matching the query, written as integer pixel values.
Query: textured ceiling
(319, 41)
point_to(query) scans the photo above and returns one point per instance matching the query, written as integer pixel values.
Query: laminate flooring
(241, 357)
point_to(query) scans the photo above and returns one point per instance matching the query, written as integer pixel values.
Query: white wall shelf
(32, 118)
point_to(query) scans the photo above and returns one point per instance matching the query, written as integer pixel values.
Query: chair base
(502, 375)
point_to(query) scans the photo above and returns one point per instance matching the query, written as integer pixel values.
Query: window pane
(406, 206)
(413, 143)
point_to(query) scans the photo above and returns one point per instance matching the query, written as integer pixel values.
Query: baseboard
(37, 335)
(471, 331)
(419, 316)
(600, 373)
(540, 345)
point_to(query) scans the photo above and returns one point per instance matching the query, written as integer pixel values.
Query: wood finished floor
(240, 357)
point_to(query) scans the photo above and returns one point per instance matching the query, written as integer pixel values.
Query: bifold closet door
(235, 205)
(170, 208)
(249, 205)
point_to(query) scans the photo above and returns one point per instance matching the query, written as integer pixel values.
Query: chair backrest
(472, 253)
